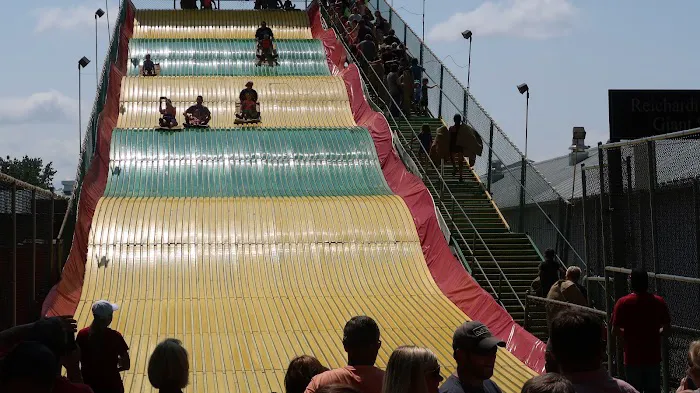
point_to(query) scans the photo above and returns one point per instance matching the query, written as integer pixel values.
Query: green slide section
(244, 163)
(179, 57)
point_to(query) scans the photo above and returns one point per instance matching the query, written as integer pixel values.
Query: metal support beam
(52, 260)
(584, 194)
(651, 158)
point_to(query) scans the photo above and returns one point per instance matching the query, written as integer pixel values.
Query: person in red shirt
(103, 351)
(640, 318)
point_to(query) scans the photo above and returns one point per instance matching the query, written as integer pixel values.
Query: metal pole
(464, 108)
(527, 115)
(405, 35)
(489, 178)
(442, 77)
(526, 318)
(80, 114)
(583, 219)
(13, 276)
(523, 177)
(651, 158)
(33, 294)
(608, 311)
(52, 260)
(423, 34)
(630, 189)
(469, 65)
(97, 80)
(603, 208)
(442, 178)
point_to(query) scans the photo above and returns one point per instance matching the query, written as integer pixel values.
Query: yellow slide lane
(284, 101)
(249, 283)
(220, 24)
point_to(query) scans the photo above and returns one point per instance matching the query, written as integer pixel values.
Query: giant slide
(255, 244)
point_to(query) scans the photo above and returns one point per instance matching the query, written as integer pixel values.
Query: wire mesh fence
(514, 183)
(221, 4)
(29, 263)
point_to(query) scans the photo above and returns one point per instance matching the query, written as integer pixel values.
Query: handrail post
(442, 179)
(523, 177)
(526, 317)
(13, 276)
(391, 12)
(489, 178)
(405, 35)
(33, 285)
(474, 247)
(442, 77)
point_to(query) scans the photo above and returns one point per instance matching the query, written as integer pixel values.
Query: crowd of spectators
(33, 356)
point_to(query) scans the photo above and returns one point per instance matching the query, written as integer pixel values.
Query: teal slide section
(244, 163)
(227, 57)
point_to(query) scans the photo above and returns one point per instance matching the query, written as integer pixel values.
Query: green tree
(30, 170)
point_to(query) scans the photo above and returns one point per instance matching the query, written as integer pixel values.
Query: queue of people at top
(32, 357)
(285, 5)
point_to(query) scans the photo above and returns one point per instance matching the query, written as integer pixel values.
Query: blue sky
(569, 52)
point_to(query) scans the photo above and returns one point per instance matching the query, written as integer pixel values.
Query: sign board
(642, 113)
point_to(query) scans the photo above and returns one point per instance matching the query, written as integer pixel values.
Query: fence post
(13, 276)
(608, 310)
(52, 260)
(523, 177)
(442, 179)
(489, 177)
(405, 35)
(442, 76)
(651, 158)
(603, 209)
(421, 54)
(391, 12)
(630, 189)
(377, 4)
(33, 294)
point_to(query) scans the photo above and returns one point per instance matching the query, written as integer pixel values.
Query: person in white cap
(103, 351)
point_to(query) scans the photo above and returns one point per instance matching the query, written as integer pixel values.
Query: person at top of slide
(262, 31)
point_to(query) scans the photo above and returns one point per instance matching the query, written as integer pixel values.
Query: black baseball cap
(475, 336)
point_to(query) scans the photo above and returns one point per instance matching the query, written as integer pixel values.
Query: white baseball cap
(104, 309)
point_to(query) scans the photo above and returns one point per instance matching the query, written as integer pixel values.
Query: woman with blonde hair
(168, 367)
(412, 369)
(693, 372)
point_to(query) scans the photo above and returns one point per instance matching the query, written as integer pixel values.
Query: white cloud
(534, 19)
(45, 107)
(71, 17)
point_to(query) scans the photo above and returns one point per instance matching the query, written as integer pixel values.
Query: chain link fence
(300, 5)
(641, 209)
(29, 254)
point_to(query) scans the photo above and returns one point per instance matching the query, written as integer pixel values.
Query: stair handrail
(455, 203)
(531, 168)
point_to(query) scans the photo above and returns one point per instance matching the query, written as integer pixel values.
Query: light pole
(423, 39)
(98, 14)
(523, 89)
(467, 34)
(82, 63)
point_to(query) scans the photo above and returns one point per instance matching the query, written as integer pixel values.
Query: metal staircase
(513, 253)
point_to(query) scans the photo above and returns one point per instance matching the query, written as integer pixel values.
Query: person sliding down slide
(197, 115)
(249, 112)
(266, 52)
(168, 111)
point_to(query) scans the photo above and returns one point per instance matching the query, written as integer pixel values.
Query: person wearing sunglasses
(475, 351)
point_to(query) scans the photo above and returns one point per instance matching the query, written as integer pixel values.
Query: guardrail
(441, 189)
(504, 158)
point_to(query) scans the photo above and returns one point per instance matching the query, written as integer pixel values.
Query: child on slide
(168, 113)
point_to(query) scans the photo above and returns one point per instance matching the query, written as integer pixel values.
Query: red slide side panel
(64, 297)
(448, 273)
